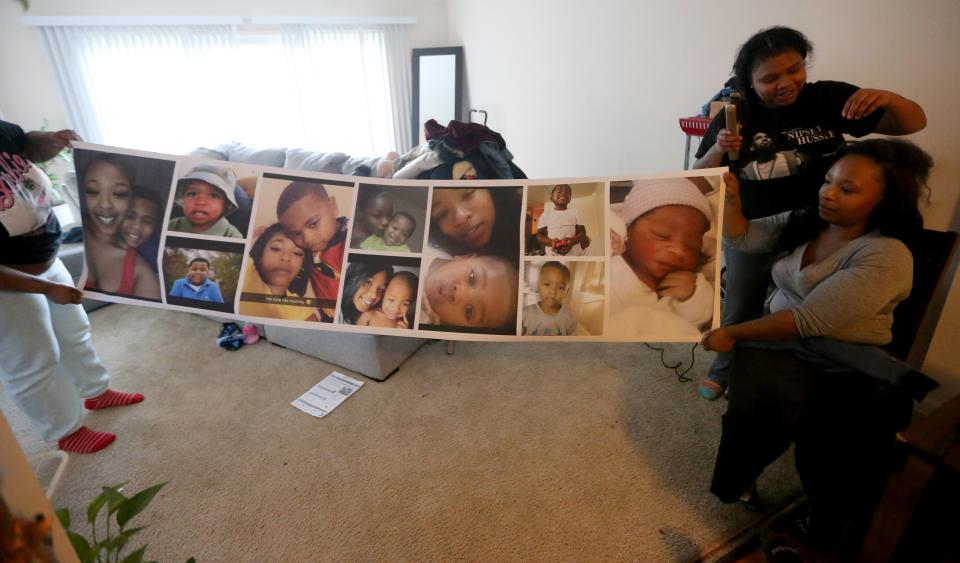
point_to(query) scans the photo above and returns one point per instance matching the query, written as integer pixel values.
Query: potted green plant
(106, 544)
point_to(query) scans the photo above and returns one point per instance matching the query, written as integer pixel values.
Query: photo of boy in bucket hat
(206, 195)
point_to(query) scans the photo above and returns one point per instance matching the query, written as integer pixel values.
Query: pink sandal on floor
(250, 334)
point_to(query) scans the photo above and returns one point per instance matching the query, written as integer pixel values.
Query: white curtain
(161, 88)
(174, 88)
(351, 85)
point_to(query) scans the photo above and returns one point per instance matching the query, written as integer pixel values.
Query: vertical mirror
(437, 87)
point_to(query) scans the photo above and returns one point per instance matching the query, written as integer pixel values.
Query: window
(172, 88)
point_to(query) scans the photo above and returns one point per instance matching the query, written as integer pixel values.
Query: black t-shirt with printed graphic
(29, 230)
(787, 151)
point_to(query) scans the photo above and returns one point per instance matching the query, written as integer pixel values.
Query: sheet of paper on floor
(327, 395)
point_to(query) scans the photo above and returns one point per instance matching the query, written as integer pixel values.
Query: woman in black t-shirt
(790, 131)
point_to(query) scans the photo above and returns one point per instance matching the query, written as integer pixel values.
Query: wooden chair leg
(890, 520)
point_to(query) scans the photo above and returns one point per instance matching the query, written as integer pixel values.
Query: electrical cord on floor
(681, 375)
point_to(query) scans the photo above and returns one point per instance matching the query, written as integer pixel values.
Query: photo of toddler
(550, 317)
(563, 298)
(206, 196)
(562, 218)
(561, 232)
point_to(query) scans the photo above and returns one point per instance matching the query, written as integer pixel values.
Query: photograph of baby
(565, 220)
(389, 218)
(562, 298)
(470, 266)
(211, 200)
(200, 273)
(122, 202)
(303, 213)
(663, 266)
(380, 291)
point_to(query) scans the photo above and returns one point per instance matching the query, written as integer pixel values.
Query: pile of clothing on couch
(459, 151)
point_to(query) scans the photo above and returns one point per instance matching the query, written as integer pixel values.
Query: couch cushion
(204, 152)
(239, 152)
(266, 157)
(331, 162)
(301, 159)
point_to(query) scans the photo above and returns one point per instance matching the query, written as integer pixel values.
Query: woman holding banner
(811, 371)
(47, 362)
(794, 130)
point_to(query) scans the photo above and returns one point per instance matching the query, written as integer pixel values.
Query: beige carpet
(516, 452)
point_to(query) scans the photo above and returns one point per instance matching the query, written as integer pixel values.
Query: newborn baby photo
(663, 252)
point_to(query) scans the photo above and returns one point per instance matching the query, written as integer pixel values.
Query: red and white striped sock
(113, 398)
(86, 441)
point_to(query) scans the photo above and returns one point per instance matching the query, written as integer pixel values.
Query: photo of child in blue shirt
(196, 285)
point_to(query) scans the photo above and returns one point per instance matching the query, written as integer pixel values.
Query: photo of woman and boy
(470, 266)
(663, 251)
(389, 218)
(380, 291)
(293, 271)
(122, 202)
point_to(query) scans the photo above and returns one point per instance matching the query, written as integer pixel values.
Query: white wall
(28, 91)
(587, 88)
(583, 88)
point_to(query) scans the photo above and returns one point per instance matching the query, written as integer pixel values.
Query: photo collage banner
(613, 259)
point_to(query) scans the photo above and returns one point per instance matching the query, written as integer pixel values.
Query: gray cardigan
(849, 295)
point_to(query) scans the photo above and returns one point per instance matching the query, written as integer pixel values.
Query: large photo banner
(620, 258)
